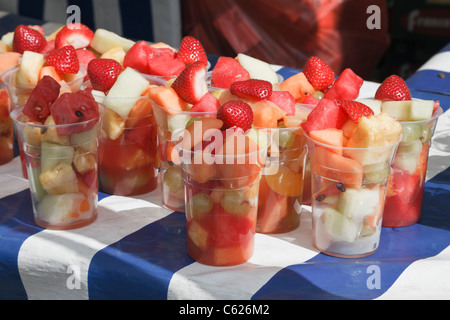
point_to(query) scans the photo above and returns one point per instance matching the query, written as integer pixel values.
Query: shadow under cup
(61, 162)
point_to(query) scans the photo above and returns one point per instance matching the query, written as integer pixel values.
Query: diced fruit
(104, 40)
(285, 182)
(327, 114)
(284, 100)
(260, 137)
(329, 136)
(191, 50)
(266, 114)
(393, 88)
(75, 34)
(355, 204)
(207, 103)
(137, 57)
(128, 85)
(298, 85)
(226, 71)
(64, 59)
(116, 53)
(50, 71)
(30, 65)
(200, 204)
(235, 202)
(373, 104)
(51, 134)
(346, 86)
(190, 85)
(103, 73)
(167, 98)
(37, 107)
(58, 209)
(165, 64)
(236, 113)
(257, 68)
(318, 73)
(53, 154)
(199, 130)
(338, 226)
(8, 60)
(59, 179)
(84, 57)
(198, 235)
(310, 99)
(27, 39)
(409, 110)
(252, 89)
(355, 110)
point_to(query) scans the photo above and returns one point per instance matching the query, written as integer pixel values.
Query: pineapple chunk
(113, 124)
(116, 53)
(51, 134)
(60, 179)
(31, 64)
(83, 161)
(257, 69)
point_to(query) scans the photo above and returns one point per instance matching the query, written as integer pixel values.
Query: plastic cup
(406, 181)
(62, 170)
(348, 195)
(221, 201)
(6, 129)
(128, 163)
(171, 179)
(19, 94)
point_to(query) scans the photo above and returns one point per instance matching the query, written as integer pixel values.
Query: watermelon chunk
(137, 57)
(43, 95)
(346, 86)
(226, 71)
(165, 64)
(285, 100)
(327, 114)
(207, 103)
(72, 108)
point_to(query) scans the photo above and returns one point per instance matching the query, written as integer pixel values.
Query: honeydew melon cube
(198, 235)
(176, 122)
(355, 204)
(8, 38)
(399, 110)
(53, 153)
(60, 179)
(127, 89)
(421, 110)
(31, 64)
(57, 209)
(261, 138)
(257, 68)
(105, 40)
(373, 104)
(339, 227)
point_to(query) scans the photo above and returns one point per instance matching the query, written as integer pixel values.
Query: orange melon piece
(336, 167)
(195, 132)
(167, 98)
(8, 60)
(50, 71)
(330, 136)
(298, 85)
(286, 182)
(266, 114)
(348, 128)
(141, 109)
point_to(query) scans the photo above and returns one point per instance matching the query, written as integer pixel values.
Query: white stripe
(166, 19)
(52, 259)
(107, 15)
(11, 178)
(271, 254)
(422, 280)
(440, 62)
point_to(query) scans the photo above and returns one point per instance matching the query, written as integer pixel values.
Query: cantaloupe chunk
(266, 114)
(8, 60)
(167, 98)
(330, 136)
(50, 71)
(298, 85)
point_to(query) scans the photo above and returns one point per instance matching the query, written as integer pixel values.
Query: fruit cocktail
(6, 129)
(61, 154)
(128, 147)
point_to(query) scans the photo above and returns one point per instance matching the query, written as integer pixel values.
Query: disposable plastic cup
(348, 196)
(62, 167)
(221, 201)
(19, 94)
(169, 121)
(6, 129)
(128, 163)
(407, 178)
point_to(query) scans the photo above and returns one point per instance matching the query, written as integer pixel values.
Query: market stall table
(136, 249)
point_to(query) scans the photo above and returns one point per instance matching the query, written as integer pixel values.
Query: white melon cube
(31, 64)
(57, 209)
(355, 204)
(257, 68)
(339, 227)
(399, 110)
(421, 110)
(373, 104)
(105, 40)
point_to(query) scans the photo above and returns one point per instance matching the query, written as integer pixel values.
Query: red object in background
(288, 32)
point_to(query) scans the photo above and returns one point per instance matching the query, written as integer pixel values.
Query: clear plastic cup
(348, 195)
(221, 201)
(62, 169)
(6, 129)
(19, 94)
(171, 178)
(406, 182)
(128, 163)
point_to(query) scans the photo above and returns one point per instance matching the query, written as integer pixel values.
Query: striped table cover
(137, 250)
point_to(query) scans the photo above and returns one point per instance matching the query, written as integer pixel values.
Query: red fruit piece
(103, 73)
(84, 57)
(318, 73)
(226, 71)
(75, 34)
(163, 63)
(346, 86)
(190, 84)
(41, 98)
(284, 100)
(236, 113)
(393, 88)
(191, 50)
(74, 107)
(28, 39)
(252, 89)
(354, 109)
(327, 114)
(137, 57)
(207, 103)
(65, 60)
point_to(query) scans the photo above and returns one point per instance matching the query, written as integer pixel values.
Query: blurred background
(395, 37)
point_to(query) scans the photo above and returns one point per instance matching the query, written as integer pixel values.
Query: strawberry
(393, 88)
(65, 60)
(252, 88)
(236, 113)
(103, 73)
(75, 34)
(354, 109)
(191, 50)
(318, 73)
(190, 85)
(28, 39)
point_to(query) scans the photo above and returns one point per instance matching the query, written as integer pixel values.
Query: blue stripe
(87, 12)
(31, 8)
(9, 22)
(136, 17)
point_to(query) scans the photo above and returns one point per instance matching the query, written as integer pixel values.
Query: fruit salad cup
(406, 181)
(221, 201)
(128, 163)
(348, 195)
(6, 129)
(19, 94)
(171, 179)
(61, 162)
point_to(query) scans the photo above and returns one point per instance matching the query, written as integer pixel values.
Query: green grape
(286, 138)
(234, 201)
(173, 178)
(318, 94)
(200, 204)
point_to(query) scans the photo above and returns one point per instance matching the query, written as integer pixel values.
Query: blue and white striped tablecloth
(137, 250)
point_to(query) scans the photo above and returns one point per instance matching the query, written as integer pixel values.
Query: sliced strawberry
(252, 89)
(65, 60)
(103, 73)
(75, 34)
(318, 73)
(236, 113)
(354, 109)
(190, 85)
(191, 50)
(393, 88)
(28, 39)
